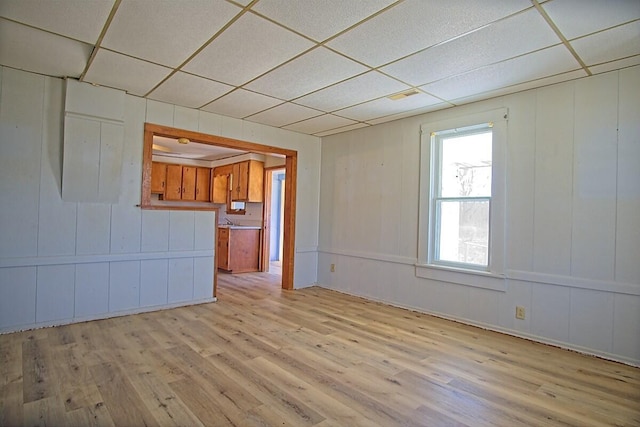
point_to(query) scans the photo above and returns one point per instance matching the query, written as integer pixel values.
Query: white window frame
(491, 277)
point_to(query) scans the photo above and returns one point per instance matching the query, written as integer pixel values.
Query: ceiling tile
(250, 47)
(188, 90)
(409, 113)
(616, 65)
(319, 19)
(124, 72)
(609, 45)
(540, 64)
(284, 114)
(496, 42)
(311, 71)
(353, 91)
(342, 129)
(385, 38)
(79, 19)
(575, 18)
(166, 32)
(29, 49)
(241, 103)
(320, 124)
(385, 106)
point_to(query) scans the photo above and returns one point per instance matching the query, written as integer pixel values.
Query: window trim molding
(494, 274)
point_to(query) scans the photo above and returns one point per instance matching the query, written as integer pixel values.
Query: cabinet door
(240, 180)
(255, 184)
(158, 177)
(173, 189)
(203, 182)
(220, 189)
(223, 248)
(188, 183)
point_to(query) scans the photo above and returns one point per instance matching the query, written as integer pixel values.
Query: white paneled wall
(62, 262)
(572, 217)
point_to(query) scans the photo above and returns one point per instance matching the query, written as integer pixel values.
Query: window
(461, 197)
(461, 225)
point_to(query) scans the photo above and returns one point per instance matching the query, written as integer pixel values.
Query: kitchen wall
(572, 217)
(62, 262)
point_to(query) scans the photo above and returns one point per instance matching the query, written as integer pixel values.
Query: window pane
(466, 165)
(464, 232)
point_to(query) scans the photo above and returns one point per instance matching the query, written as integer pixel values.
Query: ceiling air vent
(403, 95)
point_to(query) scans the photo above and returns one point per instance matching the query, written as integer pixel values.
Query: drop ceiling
(319, 66)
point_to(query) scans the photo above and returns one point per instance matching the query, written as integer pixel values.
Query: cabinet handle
(162, 184)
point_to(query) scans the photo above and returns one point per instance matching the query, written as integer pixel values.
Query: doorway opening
(288, 202)
(274, 209)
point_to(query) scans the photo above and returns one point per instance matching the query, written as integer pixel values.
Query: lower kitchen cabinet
(238, 249)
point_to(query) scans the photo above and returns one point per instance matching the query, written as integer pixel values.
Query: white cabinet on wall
(93, 144)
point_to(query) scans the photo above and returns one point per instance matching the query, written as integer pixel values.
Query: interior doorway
(273, 217)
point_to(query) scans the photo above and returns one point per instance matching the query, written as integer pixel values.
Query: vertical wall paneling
(20, 157)
(202, 278)
(55, 292)
(185, 118)
(153, 282)
(159, 113)
(591, 321)
(627, 269)
(483, 306)
(626, 339)
(80, 176)
(125, 229)
(208, 123)
(56, 218)
(93, 228)
(155, 231)
(110, 165)
(520, 181)
(595, 170)
(180, 279)
(124, 285)
(204, 230)
(92, 289)
(181, 229)
(553, 180)
(17, 303)
(548, 313)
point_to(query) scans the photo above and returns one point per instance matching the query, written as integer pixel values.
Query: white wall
(572, 217)
(62, 262)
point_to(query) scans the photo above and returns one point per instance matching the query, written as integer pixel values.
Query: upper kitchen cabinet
(158, 177)
(187, 183)
(247, 180)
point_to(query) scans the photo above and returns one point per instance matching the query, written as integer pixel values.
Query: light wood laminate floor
(310, 357)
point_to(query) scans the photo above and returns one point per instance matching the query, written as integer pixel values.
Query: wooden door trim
(291, 165)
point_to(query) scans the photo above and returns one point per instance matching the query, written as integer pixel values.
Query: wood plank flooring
(261, 356)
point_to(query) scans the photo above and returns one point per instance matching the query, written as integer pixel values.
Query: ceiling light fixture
(183, 140)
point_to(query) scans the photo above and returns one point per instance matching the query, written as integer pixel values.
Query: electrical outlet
(519, 312)
(333, 268)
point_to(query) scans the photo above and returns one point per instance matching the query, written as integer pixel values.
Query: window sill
(459, 276)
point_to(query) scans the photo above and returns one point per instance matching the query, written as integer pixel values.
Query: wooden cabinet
(238, 249)
(158, 177)
(188, 183)
(220, 189)
(247, 180)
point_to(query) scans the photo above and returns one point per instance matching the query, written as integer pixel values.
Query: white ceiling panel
(284, 114)
(124, 72)
(241, 103)
(311, 71)
(537, 65)
(189, 90)
(320, 124)
(291, 63)
(79, 19)
(320, 19)
(576, 18)
(385, 107)
(29, 49)
(250, 47)
(609, 45)
(428, 22)
(353, 91)
(166, 32)
(342, 129)
(496, 42)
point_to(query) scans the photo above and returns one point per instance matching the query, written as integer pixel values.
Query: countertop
(240, 227)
